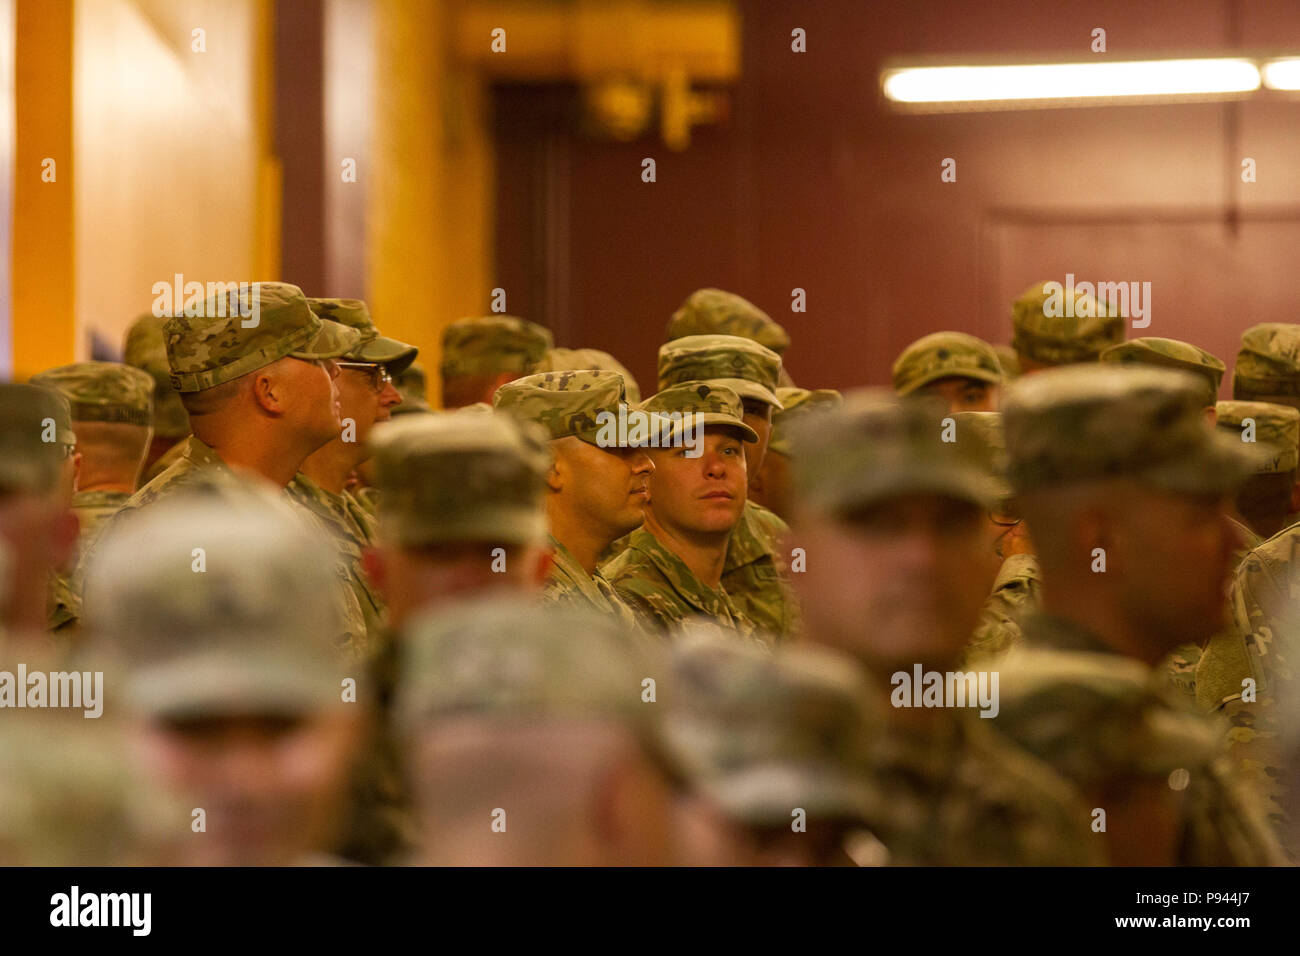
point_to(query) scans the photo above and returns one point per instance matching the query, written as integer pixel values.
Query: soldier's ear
(268, 391)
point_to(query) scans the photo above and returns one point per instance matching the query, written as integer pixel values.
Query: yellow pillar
(429, 201)
(44, 324)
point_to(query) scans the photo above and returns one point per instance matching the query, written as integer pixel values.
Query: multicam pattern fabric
(566, 403)
(146, 349)
(754, 575)
(1015, 595)
(663, 592)
(1097, 718)
(1276, 429)
(569, 582)
(337, 515)
(93, 508)
(589, 360)
(751, 370)
(1063, 339)
(1268, 364)
(165, 461)
(102, 391)
(945, 355)
(1098, 421)
(493, 344)
(958, 794)
(1171, 353)
(715, 312)
(209, 350)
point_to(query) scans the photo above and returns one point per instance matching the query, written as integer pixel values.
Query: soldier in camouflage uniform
(480, 355)
(111, 414)
(598, 482)
(1126, 489)
(961, 369)
(773, 486)
(38, 530)
(145, 348)
(889, 516)
(245, 704)
(589, 360)
(1271, 494)
(1171, 353)
(1045, 341)
(462, 508)
(672, 568)
(365, 394)
(755, 568)
(765, 739)
(534, 738)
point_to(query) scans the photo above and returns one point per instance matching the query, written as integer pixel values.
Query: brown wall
(813, 183)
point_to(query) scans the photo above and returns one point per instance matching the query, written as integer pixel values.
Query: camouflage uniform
(1170, 353)
(951, 792)
(1068, 697)
(562, 360)
(493, 344)
(1061, 339)
(945, 355)
(715, 312)
(755, 570)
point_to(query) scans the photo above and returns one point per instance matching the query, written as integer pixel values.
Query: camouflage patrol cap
(145, 348)
(493, 344)
(1268, 364)
(577, 404)
(1170, 353)
(393, 355)
(215, 348)
(983, 431)
(714, 312)
(36, 439)
(741, 364)
(102, 391)
(512, 659)
(251, 629)
(1091, 422)
(560, 360)
(877, 446)
(1276, 431)
(797, 402)
(762, 733)
(698, 405)
(471, 475)
(1063, 339)
(412, 385)
(945, 355)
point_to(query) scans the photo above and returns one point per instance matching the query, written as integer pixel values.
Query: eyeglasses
(379, 377)
(1004, 519)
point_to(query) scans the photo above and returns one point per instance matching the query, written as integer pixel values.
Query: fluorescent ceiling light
(1282, 74)
(1071, 81)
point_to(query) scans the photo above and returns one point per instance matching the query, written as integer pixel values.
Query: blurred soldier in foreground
(776, 746)
(961, 370)
(111, 414)
(1078, 332)
(589, 360)
(773, 485)
(672, 568)
(145, 348)
(244, 706)
(38, 530)
(462, 509)
(597, 484)
(1126, 490)
(754, 569)
(531, 742)
(480, 355)
(890, 517)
